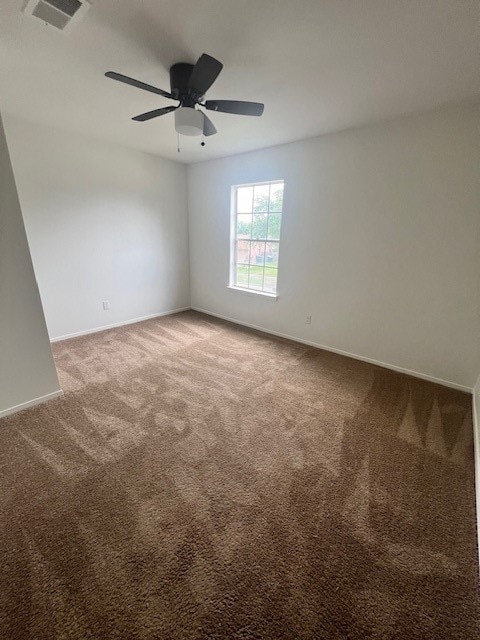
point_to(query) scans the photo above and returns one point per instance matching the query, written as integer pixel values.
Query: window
(256, 222)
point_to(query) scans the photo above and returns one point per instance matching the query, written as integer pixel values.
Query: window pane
(257, 219)
(243, 251)
(260, 198)
(256, 277)
(270, 280)
(259, 226)
(241, 279)
(244, 225)
(274, 221)
(244, 199)
(271, 254)
(276, 196)
(257, 253)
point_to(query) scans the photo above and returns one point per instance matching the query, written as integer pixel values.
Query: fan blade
(235, 106)
(208, 126)
(153, 114)
(204, 73)
(138, 84)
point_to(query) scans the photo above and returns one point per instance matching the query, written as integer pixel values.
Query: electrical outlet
(106, 305)
(308, 320)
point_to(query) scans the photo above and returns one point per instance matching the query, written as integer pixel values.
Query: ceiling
(318, 65)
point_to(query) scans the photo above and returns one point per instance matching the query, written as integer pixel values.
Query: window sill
(252, 292)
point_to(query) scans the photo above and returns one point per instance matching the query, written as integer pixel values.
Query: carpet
(199, 480)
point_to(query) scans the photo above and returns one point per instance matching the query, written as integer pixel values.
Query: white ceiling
(318, 65)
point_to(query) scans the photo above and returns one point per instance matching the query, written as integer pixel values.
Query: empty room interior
(239, 319)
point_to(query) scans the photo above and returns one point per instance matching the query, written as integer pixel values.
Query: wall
(27, 369)
(104, 223)
(379, 241)
(476, 400)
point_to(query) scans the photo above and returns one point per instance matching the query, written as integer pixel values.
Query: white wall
(104, 223)
(27, 370)
(476, 400)
(380, 241)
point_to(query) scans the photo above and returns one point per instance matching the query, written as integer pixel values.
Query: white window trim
(252, 292)
(231, 285)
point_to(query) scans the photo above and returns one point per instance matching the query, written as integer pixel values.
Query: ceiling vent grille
(61, 14)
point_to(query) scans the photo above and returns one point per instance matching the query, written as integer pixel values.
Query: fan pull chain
(178, 142)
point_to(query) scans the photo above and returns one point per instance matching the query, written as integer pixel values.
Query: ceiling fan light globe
(188, 121)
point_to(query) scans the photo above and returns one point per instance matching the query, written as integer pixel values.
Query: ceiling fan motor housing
(179, 76)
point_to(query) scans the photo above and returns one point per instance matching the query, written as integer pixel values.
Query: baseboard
(30, 403)
(476, 449)
(117, 324)
(378, 363)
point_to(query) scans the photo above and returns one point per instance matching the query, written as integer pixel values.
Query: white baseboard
(385, 365)
(476, 448)
(117, 324)
(30, 403)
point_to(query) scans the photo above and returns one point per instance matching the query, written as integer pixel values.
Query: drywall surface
(476, 400)
(104, 223)
(27, 369)
(379, 244)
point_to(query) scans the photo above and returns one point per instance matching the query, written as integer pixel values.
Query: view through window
(256, 222)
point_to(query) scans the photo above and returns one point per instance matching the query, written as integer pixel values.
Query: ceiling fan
(188, 84)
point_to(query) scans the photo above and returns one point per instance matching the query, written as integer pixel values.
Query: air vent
(61, 14)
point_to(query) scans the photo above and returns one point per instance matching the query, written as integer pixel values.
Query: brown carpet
(203, 481)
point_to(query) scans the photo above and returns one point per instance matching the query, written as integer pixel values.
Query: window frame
(233, 238)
